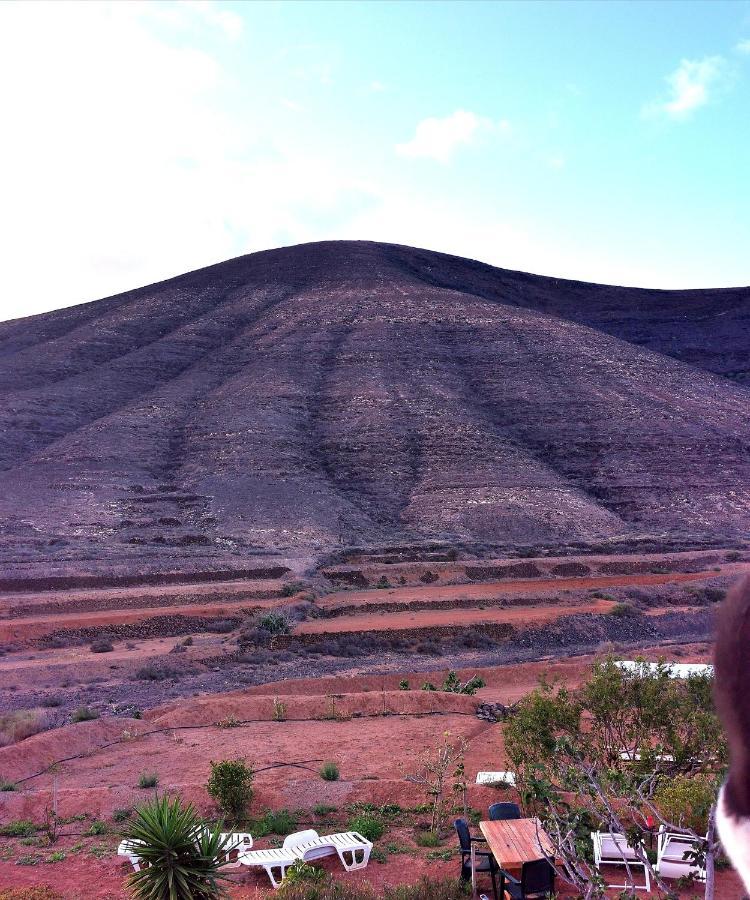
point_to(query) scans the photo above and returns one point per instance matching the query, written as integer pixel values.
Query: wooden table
(514, 842)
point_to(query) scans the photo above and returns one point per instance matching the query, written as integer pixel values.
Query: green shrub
(280, 821)
(623, 610)
(428, 839)
(122, 814)
(428, 686)
(96, 828)
(178, 866)
(403, 685)
(103, 645)
(330, 772)
(368, 825)
(6, 785)
(84, 714)
(292, 588)
(304, 873)
(453, 685)
(323, 809)
(274, 623)
(686, 800)
(231, 786)
(18, 829)
(148, 780)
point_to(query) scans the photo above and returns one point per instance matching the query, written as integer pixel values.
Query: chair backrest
(464, 835)
(537, 877)
(501, 811)
(300, 837)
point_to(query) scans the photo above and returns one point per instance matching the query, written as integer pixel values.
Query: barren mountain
(280, 406)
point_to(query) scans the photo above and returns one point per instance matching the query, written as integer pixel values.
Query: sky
(602, 141)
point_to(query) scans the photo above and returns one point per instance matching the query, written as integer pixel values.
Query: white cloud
(123, 161)
(690, 87)
(743, 47)
(439, 139)
(377, 87)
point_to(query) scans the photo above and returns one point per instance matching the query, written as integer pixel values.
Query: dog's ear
(732, 692)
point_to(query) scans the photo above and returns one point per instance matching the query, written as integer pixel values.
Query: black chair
(501, 811)
(484, 860)
(537, 881)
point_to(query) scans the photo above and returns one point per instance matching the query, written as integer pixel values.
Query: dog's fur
(732, 692)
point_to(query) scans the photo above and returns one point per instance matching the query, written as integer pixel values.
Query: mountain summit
(291, 402)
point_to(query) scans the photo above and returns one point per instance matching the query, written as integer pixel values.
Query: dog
(732, 695)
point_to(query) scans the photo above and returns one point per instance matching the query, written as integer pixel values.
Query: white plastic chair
(612, 849)
(670, 857)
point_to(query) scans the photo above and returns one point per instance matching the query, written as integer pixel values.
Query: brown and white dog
(732, 692)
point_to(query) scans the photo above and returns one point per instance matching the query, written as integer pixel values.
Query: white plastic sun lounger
(611, 849)
(236, 843)
(671, 861)
(492, 778)
(273, 861)
(293, 841)
(352, 848)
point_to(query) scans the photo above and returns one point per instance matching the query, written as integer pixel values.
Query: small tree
(625, 750)
(230, 784)
(436, 768)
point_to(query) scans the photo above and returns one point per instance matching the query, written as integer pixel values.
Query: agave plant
(180, 855)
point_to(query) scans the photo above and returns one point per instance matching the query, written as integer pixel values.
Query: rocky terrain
(278, 410)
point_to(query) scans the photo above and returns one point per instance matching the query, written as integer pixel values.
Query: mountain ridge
(298, 400)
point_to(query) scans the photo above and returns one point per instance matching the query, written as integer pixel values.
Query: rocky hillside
(286, 404)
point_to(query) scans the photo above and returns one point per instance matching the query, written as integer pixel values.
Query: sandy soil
(392, 621)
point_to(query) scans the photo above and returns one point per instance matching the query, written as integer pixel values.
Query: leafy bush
(274, 623)
(84, 714)
(622, 610)
(280, 821)
(368, 825)
(330, 772)
(181, 854)
(20, 828)
(292, 588)
(323, 809)
(6, 785)
(96, 828)
(686, 800)
(122, 814)
(231, 786)
(148, 780)
(302, 872)
(403, 685)
(103, 645)
(453, 684)
(428, 686)
(428, 839)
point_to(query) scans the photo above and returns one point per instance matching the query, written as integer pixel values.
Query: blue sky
(602, 141)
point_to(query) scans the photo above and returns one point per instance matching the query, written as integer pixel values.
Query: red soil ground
(374, 752)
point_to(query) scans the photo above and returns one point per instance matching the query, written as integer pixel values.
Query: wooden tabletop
(516, 841)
